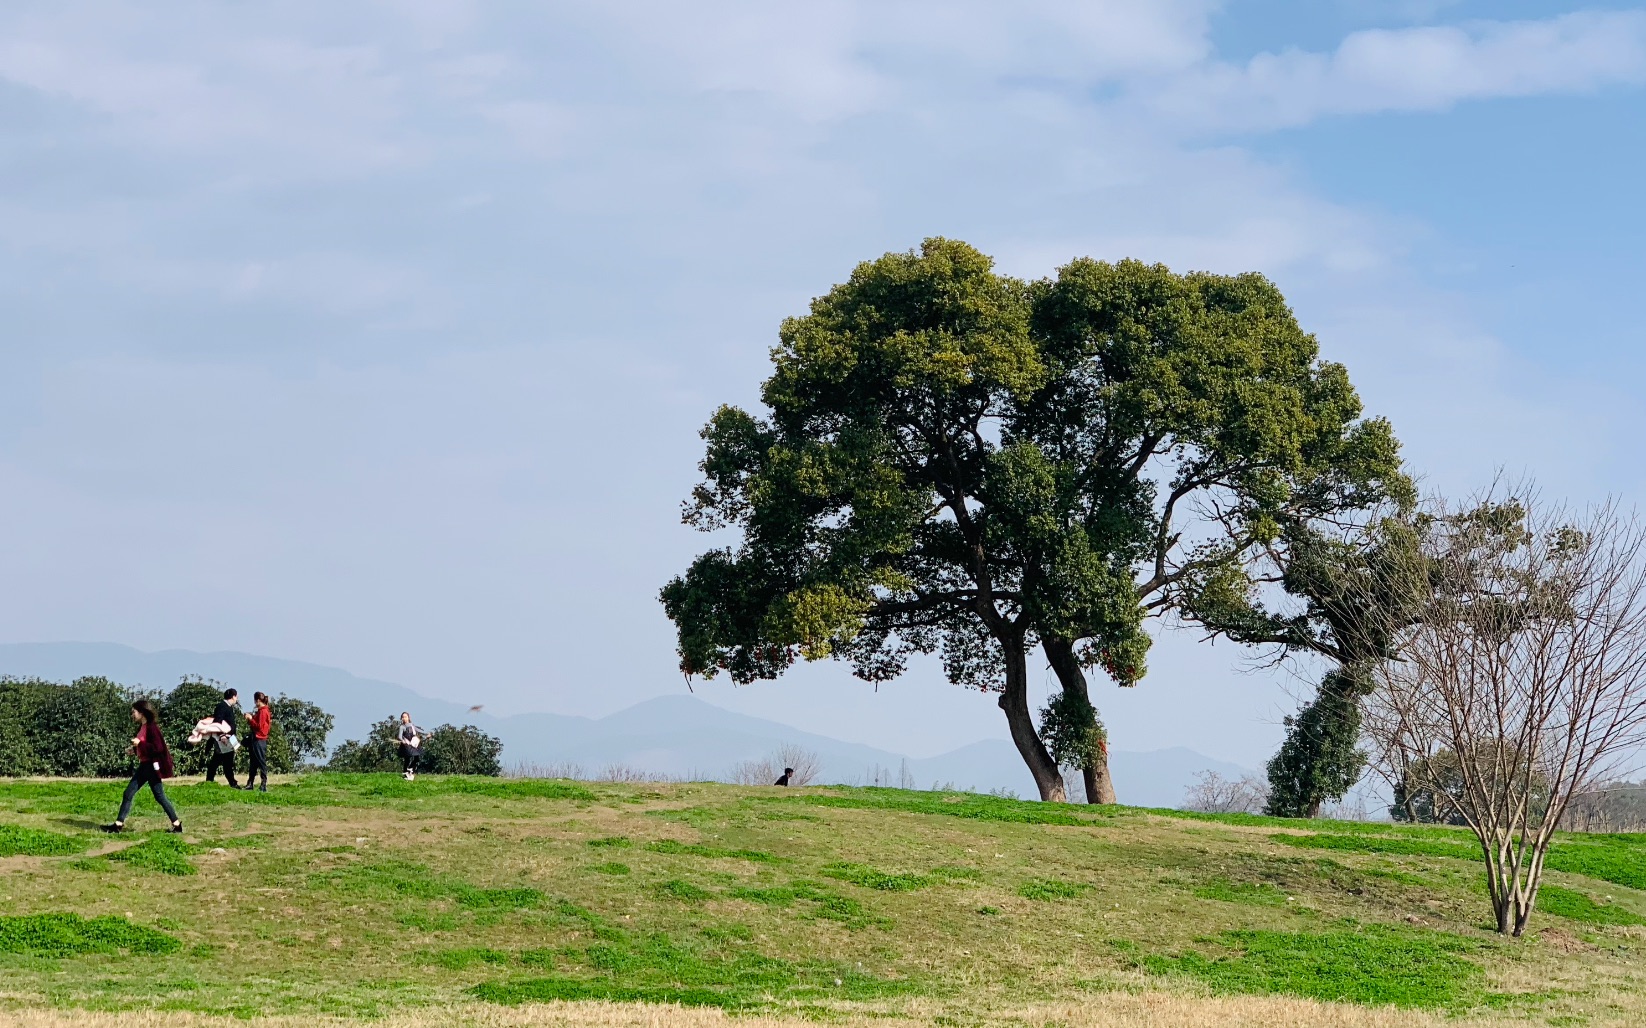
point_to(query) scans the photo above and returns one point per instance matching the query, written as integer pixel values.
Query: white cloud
(1413, 69)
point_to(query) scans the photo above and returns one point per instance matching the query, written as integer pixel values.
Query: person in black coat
(223, 747)
(785, 779)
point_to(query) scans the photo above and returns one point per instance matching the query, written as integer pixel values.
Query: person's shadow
(74, 822)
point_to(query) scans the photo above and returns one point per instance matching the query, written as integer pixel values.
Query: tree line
(83, 729)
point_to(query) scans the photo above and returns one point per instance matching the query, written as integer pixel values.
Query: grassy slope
(368, 896)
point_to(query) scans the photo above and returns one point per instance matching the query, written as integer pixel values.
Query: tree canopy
(958, 462)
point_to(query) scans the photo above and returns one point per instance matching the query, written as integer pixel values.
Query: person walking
(225, 744)
(258, 747)
(153, 767)
(411, 746)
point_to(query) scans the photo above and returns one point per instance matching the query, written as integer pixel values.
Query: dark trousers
(257, 752)
(409, 755)
(224, 761)
(146, 775)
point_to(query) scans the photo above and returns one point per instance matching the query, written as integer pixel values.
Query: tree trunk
(1014, 700)
(1070, 676)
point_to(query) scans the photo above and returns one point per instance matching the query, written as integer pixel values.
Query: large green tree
(958, 462)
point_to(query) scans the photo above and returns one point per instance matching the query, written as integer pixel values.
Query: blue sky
(378, 334)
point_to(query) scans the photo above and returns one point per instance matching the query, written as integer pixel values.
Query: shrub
(447, 750)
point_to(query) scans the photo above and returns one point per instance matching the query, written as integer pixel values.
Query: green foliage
(78, 730)
(305, 727)
(871, 878)
(1051, 889)
(1372, 965)
(1319, 760)
(1620, 860)
(16, 840)
(610, 868)
(1072, 730)
(957, 462)
(447, 750)
(67, 935)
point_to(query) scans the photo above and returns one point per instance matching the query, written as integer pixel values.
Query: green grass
(64, 935)
(16, 841)
(656, 968)
(952, 804)
(1578, 906)
(871, 878)
(1371, 965)
(1262, 894)
(712, 852)
(1051, 889)
(167, 854)
(364, 896)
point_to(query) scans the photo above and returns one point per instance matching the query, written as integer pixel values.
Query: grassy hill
(487, 902)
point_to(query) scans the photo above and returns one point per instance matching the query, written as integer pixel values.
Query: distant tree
(305, 727)
(1212, 793)
(447, 750)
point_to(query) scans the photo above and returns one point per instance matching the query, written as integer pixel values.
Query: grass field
(494, 902)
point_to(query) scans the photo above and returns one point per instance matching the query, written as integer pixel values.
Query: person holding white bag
(224, 745)
(411, 745)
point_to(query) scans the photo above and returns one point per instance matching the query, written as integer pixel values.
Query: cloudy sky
(378, 334)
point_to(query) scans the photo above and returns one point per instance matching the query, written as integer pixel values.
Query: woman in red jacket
(153, 767)
(259, 749)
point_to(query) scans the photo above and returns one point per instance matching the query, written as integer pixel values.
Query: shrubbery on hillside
(447, 750)
(82, 729)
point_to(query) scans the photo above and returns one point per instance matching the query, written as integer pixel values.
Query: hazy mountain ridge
(676, 735)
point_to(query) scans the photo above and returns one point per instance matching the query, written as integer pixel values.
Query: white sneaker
(412, 777)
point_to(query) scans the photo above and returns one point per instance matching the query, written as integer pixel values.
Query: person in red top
(153, 767)
(259, 748)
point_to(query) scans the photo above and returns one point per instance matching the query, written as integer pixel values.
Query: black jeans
(224, 761)
(257, 753)
(409, 755)
(146, 775)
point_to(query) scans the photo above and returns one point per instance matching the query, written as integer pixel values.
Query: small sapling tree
(1524, 684)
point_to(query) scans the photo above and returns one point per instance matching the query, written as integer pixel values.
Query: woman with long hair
(258, 748)
(411, 745)
(153, 766)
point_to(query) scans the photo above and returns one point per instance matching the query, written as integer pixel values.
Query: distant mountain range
(674, 735)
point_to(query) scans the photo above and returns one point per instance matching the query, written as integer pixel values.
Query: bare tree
(1211, 793)
(1525, 678)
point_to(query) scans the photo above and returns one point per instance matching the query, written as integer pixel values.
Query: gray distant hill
(675, 735)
